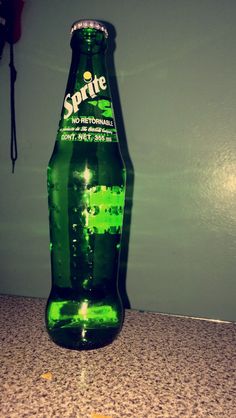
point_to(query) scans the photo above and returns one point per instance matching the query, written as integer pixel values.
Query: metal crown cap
(93, 24)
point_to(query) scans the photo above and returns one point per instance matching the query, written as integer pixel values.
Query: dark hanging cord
(13, 74)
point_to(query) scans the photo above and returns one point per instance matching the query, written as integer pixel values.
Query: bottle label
(87, 114)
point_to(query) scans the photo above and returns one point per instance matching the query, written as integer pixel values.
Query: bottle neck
(88, 62)
(87, 113)
(85, 71)
(88, 41)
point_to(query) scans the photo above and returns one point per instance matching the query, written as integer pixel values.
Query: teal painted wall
(176, 72)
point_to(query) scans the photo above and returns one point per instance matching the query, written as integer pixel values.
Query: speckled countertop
(160, 366)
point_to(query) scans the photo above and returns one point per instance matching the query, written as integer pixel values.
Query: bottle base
(83, 325)
(77, 338)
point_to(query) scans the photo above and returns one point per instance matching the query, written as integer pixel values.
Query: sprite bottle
(86, 195)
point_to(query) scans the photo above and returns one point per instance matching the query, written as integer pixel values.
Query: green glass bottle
(86, 195)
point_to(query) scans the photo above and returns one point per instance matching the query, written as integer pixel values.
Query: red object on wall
(10, 22)
(14, 19)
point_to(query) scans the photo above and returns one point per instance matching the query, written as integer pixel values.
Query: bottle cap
(93, 24)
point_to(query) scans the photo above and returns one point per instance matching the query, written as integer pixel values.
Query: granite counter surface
(159, 366)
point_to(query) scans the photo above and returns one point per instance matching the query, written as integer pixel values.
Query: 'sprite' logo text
(89, 90)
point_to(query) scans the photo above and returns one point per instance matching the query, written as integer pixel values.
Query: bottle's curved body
(86, 192)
